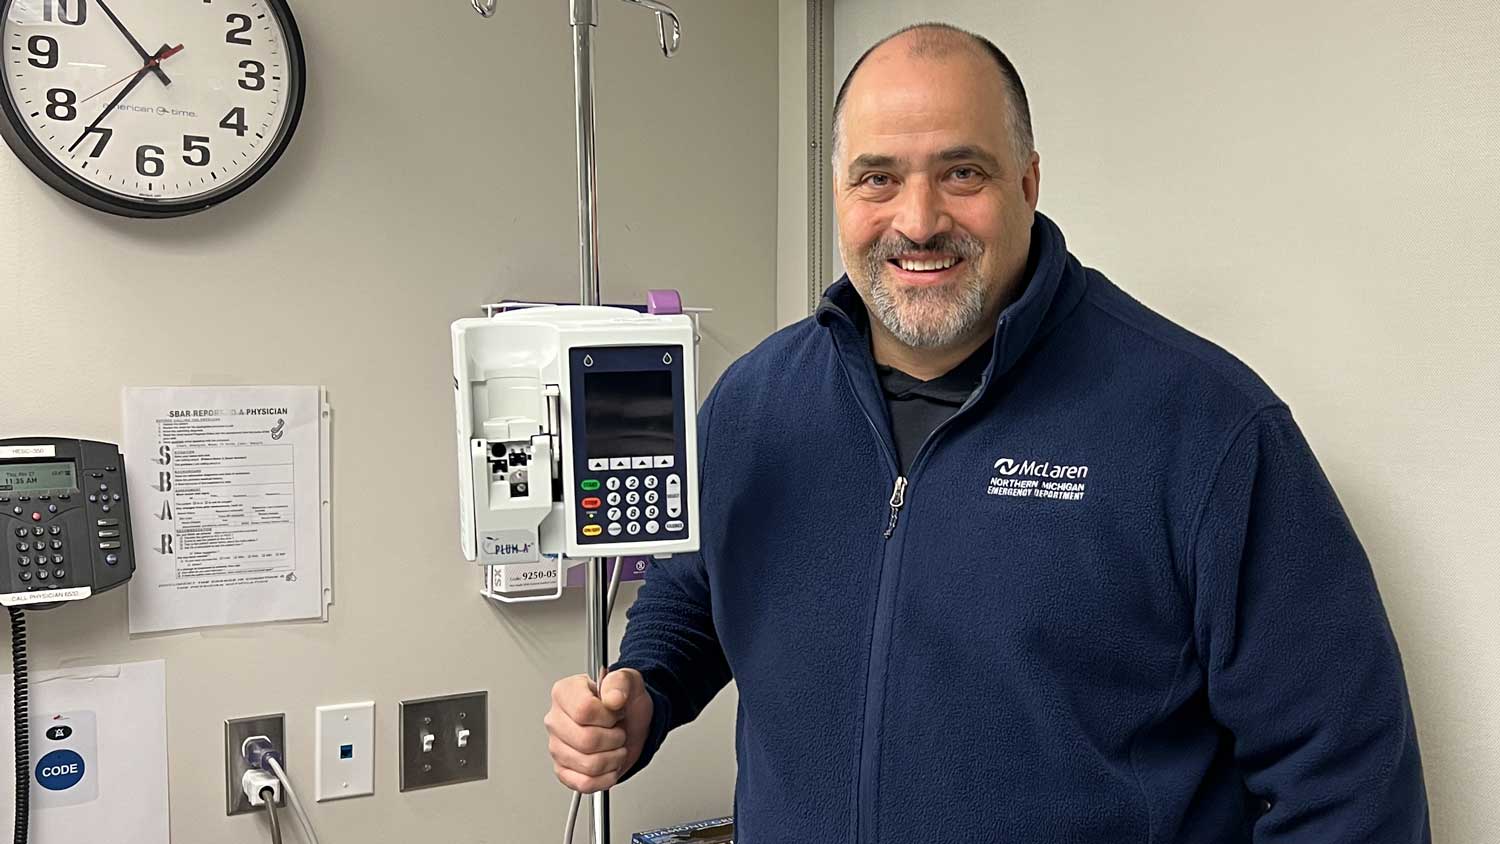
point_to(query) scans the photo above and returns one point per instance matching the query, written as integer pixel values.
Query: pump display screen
(629, 414)
(38, 477)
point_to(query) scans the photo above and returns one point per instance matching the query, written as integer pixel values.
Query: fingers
(575, 697)
(610, 762)
(581, 738)
(584, 784)
(586, 739)
(620, 688)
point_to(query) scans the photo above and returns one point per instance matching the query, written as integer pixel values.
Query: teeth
(927, 266)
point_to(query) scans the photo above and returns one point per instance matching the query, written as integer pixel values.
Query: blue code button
(59, 770)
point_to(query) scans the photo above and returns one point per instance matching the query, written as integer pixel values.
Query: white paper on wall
(228, 505)
(98, 753)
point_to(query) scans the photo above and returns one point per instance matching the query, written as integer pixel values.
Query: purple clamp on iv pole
(663, 302)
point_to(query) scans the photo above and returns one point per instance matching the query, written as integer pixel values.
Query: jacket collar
(1054, 287)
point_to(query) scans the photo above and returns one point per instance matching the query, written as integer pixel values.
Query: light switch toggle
(463, 736)
(427, 740)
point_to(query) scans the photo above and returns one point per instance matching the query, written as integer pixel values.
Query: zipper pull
(898, 498)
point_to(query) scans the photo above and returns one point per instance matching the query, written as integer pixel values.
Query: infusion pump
(577, 433)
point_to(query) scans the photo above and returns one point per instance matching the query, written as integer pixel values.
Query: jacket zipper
(880, 635)
(898, 498)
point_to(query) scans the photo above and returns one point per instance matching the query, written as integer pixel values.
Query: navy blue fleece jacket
(1118, 601)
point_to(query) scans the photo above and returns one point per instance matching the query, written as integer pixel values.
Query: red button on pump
(36, 517)
(591, 504)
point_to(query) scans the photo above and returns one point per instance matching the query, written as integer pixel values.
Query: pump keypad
(643, 500)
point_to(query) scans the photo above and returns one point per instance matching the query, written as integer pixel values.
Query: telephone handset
(65, 518)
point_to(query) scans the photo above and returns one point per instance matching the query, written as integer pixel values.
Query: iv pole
(583, 19)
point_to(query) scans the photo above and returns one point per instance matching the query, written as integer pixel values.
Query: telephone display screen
(38, 477)
(629, 414)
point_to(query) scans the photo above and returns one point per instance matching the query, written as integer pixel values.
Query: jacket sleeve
(670, 636)
(1302, 667)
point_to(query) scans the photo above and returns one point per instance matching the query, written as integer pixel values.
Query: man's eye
(876, 180)
(965, 174)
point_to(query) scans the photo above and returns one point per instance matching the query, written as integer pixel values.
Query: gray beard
(927, 317)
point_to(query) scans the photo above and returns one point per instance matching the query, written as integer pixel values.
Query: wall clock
(150, 108)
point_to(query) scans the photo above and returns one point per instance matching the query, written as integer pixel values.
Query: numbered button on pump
(614, 514)
(612, 484)
(613, 498)
(633, 513)
(652, 496)
(652, 481)
(632, 498)
(633, 528)
(632, 482)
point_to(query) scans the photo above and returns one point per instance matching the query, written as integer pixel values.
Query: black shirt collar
(953, 387)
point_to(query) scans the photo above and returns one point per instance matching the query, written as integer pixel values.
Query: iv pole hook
(670, 39)
(668, 26)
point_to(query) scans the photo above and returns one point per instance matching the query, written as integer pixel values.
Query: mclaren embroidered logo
(1038, 479)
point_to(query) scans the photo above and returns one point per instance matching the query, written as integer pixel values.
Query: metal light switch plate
(432, 730)
(236, 730)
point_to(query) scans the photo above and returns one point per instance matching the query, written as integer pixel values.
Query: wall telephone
(65, 518)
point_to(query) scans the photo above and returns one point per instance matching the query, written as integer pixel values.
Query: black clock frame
(69, 184)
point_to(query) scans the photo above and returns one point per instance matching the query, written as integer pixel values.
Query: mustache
(958, 245)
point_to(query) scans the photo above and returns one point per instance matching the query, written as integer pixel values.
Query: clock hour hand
(161, 55)
(141, 51)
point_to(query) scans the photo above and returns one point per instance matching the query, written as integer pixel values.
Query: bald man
(997, 554)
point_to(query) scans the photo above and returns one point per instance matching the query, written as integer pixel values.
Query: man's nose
(921, 213)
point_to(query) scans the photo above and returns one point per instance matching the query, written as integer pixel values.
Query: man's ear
(1031, 180)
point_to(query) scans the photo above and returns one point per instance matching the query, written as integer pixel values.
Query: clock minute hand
(161, 55)
(141, 51)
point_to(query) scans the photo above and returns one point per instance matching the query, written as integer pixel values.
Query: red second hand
(150, 63)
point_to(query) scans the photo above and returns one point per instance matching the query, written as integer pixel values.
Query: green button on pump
(589, 485)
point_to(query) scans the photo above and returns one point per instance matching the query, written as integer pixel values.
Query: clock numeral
(80, 11)
(195, 144)
(148, 162)
(43, 51)
(60, 104)
(234, 121)
(242, 26)
(255, 75)
(105, 133)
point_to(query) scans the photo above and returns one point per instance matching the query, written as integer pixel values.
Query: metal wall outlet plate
(440, 723)
(236, 730)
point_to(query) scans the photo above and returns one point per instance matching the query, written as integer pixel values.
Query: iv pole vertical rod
(583, 18)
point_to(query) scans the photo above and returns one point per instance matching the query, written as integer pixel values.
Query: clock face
(149, 107)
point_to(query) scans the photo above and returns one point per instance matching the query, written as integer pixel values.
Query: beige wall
(415, 190)
(1314, 187)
